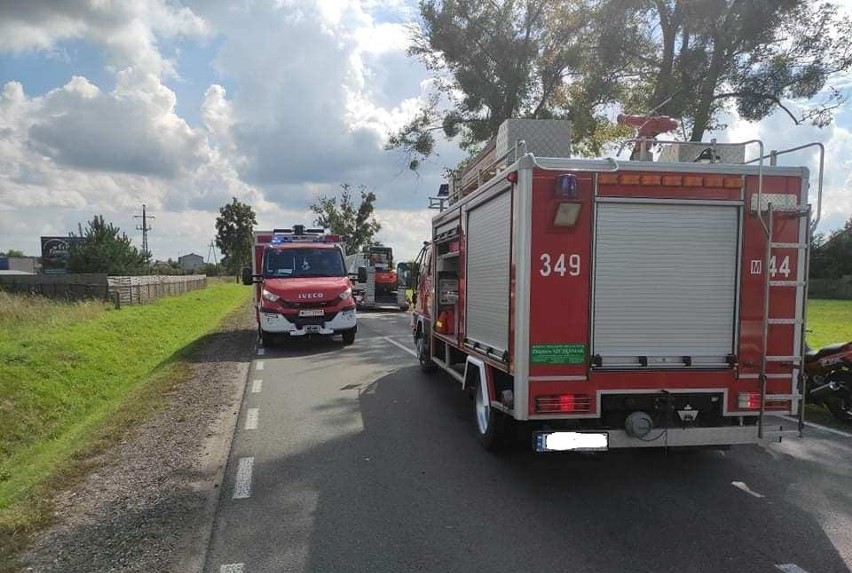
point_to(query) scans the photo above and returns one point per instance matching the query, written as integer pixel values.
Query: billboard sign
(55, 252)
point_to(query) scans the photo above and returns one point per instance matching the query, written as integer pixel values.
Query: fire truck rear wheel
(490, 423)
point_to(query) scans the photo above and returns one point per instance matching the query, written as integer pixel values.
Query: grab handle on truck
(772, 155)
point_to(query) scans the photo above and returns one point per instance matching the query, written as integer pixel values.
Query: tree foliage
(831, 257)
(709, 55)
(234, 227)
(12, 253)
(357, 224)
(105, 249)
(582, 59)
(492, 61)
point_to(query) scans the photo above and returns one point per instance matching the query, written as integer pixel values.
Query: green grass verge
(72, 376)
(829, 321)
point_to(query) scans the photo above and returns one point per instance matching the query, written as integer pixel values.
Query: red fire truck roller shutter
(665, 284)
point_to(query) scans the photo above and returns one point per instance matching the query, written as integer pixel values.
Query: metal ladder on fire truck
(766, 211)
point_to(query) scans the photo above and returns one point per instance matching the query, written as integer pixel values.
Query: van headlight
(345, 295)
(270, 296)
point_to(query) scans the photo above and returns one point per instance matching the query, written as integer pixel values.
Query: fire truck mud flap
(603, 440)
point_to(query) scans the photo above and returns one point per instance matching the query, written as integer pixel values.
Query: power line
(144, 228)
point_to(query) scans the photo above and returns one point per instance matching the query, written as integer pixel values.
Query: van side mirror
(248, 278)
(402, 274)
(362, 274)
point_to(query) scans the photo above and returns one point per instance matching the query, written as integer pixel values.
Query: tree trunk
(669, 24)
(708, 89)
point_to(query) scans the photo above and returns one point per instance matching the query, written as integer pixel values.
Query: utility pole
(144, 228)
(212, 255)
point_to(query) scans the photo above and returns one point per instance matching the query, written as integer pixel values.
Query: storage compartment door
(665, 284)
(489, 228)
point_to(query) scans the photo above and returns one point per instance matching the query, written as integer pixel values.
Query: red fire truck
(612, 304)
(302, 287)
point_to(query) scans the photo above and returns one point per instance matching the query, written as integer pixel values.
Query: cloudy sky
(105, 105)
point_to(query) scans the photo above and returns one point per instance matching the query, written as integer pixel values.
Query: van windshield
(306, 262)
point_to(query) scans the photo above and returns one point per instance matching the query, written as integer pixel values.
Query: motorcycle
(828, 379)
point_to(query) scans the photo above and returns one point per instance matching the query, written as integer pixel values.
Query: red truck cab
(301, 285)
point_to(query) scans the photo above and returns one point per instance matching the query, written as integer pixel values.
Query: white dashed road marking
(242, 489)
(261, 351)
(745, 488)
(400, 346)
(790, 568)
(259, 365)
(256, 386)
(252, 418)
(232, 568)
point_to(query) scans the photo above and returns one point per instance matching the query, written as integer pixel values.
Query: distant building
(191, 262)
(24, 265)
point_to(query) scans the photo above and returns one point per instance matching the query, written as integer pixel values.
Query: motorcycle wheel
(840, 404)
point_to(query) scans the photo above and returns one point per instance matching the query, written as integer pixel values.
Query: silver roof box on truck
(702, 152)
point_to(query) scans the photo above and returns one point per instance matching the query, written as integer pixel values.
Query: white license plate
(312, 329)
(312, 312)
(571, 441)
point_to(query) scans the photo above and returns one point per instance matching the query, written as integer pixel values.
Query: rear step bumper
(686, 437)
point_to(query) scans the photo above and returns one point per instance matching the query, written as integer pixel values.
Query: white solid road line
(790, 568)
(258, 365)
(232, 568)
(819, 427)
(745, 488)
(242, 487)
(256, 386)
(401, 346)
(252, 418)
(261, 351)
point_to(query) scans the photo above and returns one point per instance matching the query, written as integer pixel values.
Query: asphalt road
(349, 459)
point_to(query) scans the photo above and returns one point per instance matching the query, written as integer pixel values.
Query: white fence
(142, 289)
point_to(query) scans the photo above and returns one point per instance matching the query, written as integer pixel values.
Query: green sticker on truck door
(558, 354)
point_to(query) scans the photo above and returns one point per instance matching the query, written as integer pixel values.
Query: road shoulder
(149, 502)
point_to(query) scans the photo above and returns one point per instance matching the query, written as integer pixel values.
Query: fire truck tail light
(558, 403)
(566, 215)
(751, 401)
(672, 181)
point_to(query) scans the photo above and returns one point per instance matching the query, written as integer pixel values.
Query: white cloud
(78, 151)
(777, 132)
(128, 31)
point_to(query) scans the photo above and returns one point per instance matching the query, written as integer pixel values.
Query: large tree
(582, 59)
(493, 61)
(355, 222)
(234, 235)
(757, 57)
(105, 249)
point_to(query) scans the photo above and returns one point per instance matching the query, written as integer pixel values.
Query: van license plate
(312, 329)
(312, 312)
